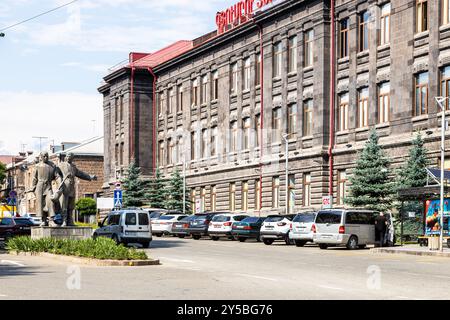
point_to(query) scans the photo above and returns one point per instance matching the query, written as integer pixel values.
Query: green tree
(134, 187)
(157, 193)
(175, 193)
(370, 183)
(86, 206)
(2, 172)
(414, 173)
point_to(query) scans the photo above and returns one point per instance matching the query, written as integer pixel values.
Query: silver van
(353, 228)
(126, 226)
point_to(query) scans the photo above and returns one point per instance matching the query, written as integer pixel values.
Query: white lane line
(256, 277)
(15, 263)
(176, 260)
(331, 288)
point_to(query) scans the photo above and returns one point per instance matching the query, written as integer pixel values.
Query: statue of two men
(64, 198)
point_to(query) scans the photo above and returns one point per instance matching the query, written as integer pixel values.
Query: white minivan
(353, 228)
(126, 226)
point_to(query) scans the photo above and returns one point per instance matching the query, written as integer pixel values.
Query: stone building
(225, 104)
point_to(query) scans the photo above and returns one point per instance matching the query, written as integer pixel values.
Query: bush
(101, 248)
(86, 206)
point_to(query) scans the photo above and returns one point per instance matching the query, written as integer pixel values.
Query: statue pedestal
(72, 233)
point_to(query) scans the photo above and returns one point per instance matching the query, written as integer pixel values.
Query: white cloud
(61, 116)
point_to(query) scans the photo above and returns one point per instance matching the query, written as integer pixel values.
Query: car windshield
(251, 220)
(188, 218)
(166, 218)
(221, 219)
(332, 217)
(274, 219)
(24, 222)
(200, 217)
(6, 221)
(155, 215)
(305, 217)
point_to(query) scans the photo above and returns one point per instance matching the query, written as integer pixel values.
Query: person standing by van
(380, 228)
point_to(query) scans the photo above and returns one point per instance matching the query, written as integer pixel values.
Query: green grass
(101, 248)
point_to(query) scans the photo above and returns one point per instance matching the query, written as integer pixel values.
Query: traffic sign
(11, 201)
(13, 194)
(327, 202)
(118, 198)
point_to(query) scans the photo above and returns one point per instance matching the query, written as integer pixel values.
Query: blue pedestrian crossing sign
(118, 199)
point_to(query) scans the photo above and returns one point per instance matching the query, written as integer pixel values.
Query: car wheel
(146, 244)
(196, 237)
(352, 243)
(300, 243)
(95, 236)
(215, 238)
(241, 239)
(268, 242)
(115, 238)
(363, 246)
(181, 236)
(8, 235)
(159, 235)
(323, 246)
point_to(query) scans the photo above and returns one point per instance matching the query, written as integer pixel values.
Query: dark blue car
(249, 228)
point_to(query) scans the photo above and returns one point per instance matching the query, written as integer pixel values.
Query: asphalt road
(231, 270)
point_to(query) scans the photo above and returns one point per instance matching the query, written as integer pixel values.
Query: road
(231, 270)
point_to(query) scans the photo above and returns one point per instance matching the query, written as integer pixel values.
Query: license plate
(240, 227)
(217, 226)
(178, 226)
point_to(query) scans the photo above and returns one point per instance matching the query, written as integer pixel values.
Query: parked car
(276, 227)
(155, 213)
(302, 228)
(126, 226)
(36, 220)
(181, 228)
(24, 226)
(249, 228)
(222, 225)
(8, 228)
(353, 228)
(198, 227)
(163, 225)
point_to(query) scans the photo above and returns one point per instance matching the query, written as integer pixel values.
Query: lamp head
(2, 35)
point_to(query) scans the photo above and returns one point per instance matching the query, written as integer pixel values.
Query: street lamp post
(440, 101)
(286, 141)
(184, 184)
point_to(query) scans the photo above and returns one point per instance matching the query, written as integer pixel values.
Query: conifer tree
(134, 187)
(371, 186)
(175, 193)
(414, 173)
(157, 193)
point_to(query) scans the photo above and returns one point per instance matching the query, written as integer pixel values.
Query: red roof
(10, 159)
(159, 57)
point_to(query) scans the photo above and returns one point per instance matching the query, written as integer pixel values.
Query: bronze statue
(44, 175)
(66, 190)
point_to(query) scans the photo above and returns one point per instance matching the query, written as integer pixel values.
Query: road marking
(412, 274)
(12, 262)
(331, 288)
(256, 277)
(441, 277)
(402, 297)
(3, 295)
(176, 260)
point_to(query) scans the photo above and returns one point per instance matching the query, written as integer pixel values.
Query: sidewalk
(414, 250)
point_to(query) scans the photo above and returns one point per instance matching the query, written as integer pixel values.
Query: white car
(163, 225)
(222, 225)
(276, 227)
(302, 228)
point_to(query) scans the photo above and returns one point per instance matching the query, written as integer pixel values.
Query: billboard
(433, 217)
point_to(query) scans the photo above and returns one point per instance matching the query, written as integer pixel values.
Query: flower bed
(101, 248)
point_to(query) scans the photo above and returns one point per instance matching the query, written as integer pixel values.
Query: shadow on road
(14, 271)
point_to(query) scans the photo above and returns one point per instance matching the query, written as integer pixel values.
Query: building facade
(227, 106)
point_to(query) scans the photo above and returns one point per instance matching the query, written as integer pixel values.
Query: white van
(353, 228)
(126, 226)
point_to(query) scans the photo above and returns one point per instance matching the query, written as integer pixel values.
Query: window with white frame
(363, 107)
(247, 73)
(385, 24)
(343, 111)
(384, 92)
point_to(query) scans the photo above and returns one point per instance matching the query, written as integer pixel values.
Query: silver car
(352, 228)
(126, 226)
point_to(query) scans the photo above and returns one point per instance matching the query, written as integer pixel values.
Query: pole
(442, 179)
(184, 184)
(285, 138)
(440, 101)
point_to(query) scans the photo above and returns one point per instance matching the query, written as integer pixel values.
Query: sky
(51, 67)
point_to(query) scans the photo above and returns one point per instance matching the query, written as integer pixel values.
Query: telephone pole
(40, 142)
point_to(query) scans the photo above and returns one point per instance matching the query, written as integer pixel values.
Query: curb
(91, 262)
(413, 252)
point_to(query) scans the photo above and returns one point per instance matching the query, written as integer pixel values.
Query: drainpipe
(332, 93)
(261, 137)
(132, 116)
(154, 118)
